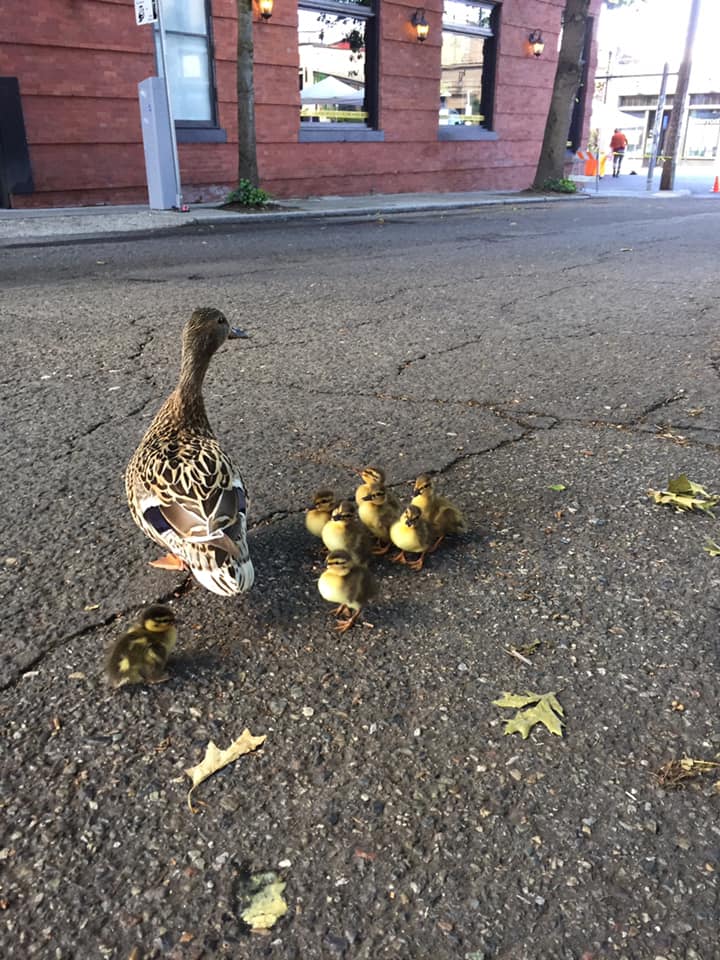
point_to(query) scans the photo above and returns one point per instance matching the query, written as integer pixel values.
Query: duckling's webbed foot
(380, 549)
(342, 610)
(437, 543)
(418, 563)
(399, 558)
(343, 625)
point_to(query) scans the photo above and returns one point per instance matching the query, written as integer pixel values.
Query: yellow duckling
(141, 653)
(348, 584)
(442, 515)
(318, 515)
(343, 531)
(378, 515)
(371, 475)
(411, 533)
(184, 491)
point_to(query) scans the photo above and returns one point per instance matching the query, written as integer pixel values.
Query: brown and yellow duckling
(442, 515)
(378, 515)
(318, 515)
(370, 476)
(411, 533)
(141, 653)
(347, 583)
(343, 531)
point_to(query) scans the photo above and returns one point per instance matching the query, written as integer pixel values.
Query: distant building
(348, 101)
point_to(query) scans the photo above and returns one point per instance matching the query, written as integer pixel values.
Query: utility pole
(677, 115)
(657, 130)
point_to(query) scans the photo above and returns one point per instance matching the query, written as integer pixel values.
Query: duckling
(318, 515)
(345, 532)
(372, 475)
(412, 534)
(378, 515)
(442, 515)
(140, 655)
(183, 490)
(347, 583)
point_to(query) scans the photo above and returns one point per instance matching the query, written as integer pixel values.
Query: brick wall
(79, 64)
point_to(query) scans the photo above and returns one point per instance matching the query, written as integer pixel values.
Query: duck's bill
(237, 334)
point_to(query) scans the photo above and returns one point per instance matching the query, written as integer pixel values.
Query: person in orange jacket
(618, 145)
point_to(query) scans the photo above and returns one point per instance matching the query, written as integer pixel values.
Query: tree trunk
(551, 164)
(247, 147)
(677, 115)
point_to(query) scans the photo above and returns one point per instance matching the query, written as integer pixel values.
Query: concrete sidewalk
(47, 226)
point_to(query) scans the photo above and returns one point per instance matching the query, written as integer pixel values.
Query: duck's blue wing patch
(154, 516)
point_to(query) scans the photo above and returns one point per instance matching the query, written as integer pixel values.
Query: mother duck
(183, 490)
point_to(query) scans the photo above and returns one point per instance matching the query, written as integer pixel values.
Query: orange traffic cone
(716, 186)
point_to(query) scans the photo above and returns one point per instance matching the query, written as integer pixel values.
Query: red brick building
(348, 100)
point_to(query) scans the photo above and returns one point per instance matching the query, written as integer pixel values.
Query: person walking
(618, 145)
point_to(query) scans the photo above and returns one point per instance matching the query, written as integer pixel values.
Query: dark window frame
(344, 132)
(199, 131)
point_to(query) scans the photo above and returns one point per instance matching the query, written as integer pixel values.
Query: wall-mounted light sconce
(422, 27)
(266, 8)
(537, 43)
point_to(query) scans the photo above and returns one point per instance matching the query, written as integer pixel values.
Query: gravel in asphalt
(507, 351)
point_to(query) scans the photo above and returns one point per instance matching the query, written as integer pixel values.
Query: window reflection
(461, 83)
(333, 67)
(188, 60)
(467, 64)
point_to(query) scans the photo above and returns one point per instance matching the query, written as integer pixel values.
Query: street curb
(195, 222)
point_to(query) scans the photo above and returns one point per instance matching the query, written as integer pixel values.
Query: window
(189, 66)
(467, 69)
(338, 70)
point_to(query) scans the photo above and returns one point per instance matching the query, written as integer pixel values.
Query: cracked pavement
(504, 350)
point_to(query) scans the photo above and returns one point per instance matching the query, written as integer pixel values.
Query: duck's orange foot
(380, 549)
(418, 563)
(169, 562)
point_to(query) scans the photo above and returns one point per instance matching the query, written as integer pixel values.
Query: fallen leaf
(532, 708)
(674, 772)
(215, 759)
(683, 494)
(557, 486)
(91, 606)
(267, 904)
(712, 548)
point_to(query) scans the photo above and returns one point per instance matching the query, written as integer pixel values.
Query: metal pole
(173, 139)
(657, 128)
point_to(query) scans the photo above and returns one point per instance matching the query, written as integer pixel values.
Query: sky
(654, 31)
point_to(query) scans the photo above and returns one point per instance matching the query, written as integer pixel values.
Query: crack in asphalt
(173, 594)
(519, 420)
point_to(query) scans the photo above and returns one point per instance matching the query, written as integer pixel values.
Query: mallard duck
(343, 531)
(411, 533)
(371, 475)
(183, 490)
(318, 515)
(348, 584)
(141, 653)
(442, 515)
(378, 515)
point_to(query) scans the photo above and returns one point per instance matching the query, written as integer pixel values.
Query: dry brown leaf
(215, 759)
(675, 772)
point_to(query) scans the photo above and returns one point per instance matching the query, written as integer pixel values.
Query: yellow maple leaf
(215, 759)
(532, 708)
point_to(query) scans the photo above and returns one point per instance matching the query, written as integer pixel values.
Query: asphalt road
(507, 350)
